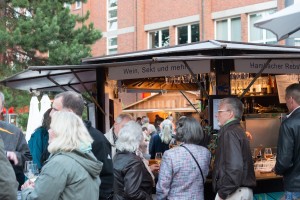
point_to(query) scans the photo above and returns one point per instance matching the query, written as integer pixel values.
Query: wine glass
(158, 157)
(268, 153)
(258, 154)
(31, 171)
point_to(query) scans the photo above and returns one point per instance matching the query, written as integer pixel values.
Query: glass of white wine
(31, 171)
(268, 153)
(158, 157)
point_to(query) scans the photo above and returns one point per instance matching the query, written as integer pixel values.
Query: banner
(287, 66)
(157, 70)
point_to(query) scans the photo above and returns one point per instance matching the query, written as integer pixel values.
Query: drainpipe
(202, 20)
(289, 41)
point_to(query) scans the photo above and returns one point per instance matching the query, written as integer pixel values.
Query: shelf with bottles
(264, 85)
(263, 104)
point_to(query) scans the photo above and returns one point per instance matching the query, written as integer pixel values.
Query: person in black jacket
(288, 147)
(101, 148)
(132, 177)
(233, 172)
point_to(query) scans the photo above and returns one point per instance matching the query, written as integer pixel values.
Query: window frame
(264, 39)
(229, 32)
(112, 46)
(112, 19)
(189, 32)
(159, 38)
(78, 5)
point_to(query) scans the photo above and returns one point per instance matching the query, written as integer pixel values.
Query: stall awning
(71, 77)
(51, 80)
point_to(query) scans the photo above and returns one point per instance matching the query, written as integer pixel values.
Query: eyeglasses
(223, 111)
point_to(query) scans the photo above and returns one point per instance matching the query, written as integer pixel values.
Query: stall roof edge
(189, 48)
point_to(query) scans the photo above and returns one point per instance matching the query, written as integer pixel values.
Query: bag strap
(196, 163)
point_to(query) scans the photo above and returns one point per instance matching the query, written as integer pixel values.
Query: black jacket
(288, 150)
(132, 180)
(233, 167)
(102, 151)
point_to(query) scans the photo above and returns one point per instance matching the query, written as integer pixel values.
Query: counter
(265, 183)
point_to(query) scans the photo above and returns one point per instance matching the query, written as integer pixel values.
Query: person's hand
(27, 184)
(12, 156)
(249, 136)
(154, 167)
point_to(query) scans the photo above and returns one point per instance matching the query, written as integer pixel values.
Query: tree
(42, 32)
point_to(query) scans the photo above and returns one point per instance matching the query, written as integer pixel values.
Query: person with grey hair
(73, 102)
(162, 140)
(177, 179)
(72, 171)
(145, 121)
(288, 145)
(15, 146)
(132, 178)
(112, 134)
(233, 172)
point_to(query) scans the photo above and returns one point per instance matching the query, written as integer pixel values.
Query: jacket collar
(296, 110)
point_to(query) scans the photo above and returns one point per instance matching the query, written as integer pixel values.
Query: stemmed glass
(31, 171)
(258, 154)
(268, 153)
(158, 157)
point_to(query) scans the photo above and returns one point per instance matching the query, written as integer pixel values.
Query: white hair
(166, 131)
(151, 128)
(130, 137)
(70, 132)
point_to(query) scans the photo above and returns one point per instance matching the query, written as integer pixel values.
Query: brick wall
(138, 13)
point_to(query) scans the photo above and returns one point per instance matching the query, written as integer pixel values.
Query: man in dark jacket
(74, 102)
(8, 183)
(288, 147)
(233, 173)
(15, 145)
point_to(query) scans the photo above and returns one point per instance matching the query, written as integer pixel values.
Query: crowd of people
(77, 161)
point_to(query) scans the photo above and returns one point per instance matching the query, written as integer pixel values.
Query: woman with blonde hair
(162, 140)
(72, 171)
(132, 178)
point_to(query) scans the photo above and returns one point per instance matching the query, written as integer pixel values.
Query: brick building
(133, 25)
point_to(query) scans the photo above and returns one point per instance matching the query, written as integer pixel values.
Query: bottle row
(264, 85)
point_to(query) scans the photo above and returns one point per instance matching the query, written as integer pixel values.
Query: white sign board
(157, 70)
(287, 66)
(283, 81)
(216, 103)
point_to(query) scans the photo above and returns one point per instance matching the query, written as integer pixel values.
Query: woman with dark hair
(184, 168)
(38, 142)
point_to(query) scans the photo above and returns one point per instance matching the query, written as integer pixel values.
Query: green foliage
(29, 27)
(22, 120)
(48, 27)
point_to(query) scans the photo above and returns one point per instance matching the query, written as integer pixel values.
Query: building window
(160, 38)
(112, 45)
(78, 5)
(258, 35)
(188, 33)
(112, 15)
(297, 41)
(229, 29)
